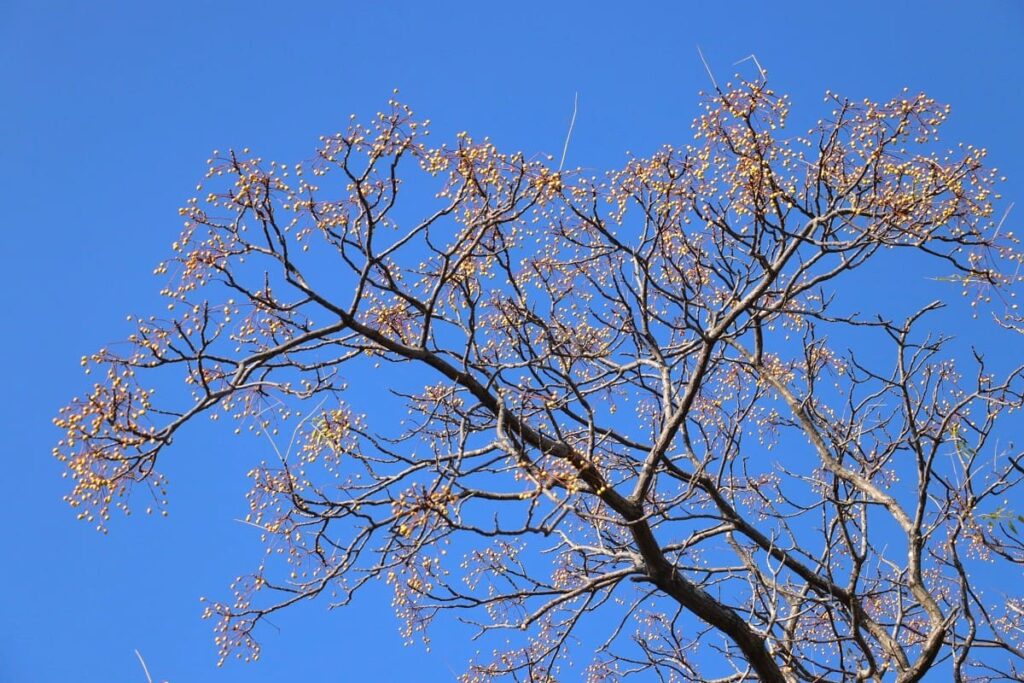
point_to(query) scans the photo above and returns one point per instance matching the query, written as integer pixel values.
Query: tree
(648, 396)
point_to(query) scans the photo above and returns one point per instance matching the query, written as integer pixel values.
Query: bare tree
(634, 410)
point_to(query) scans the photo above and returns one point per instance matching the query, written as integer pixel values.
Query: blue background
(109, 112)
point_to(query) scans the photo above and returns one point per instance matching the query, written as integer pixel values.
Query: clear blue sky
(110, 110)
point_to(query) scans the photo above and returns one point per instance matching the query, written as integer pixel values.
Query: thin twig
(999, 228)
(565, 147)
(753, 58)
(708, 69)
(145, 669)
